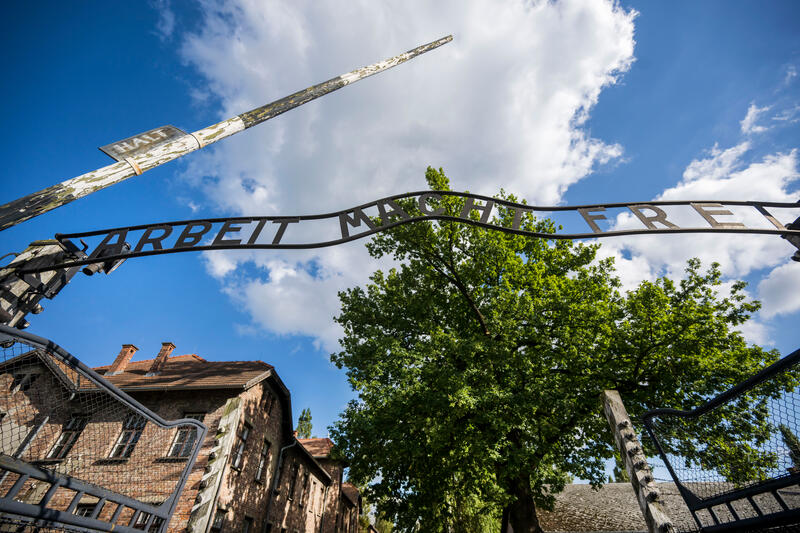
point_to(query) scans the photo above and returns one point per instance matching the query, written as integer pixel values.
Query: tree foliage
(792, 444)
(480, 360)
(304, 426)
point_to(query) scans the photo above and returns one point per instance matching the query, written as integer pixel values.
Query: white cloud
(791, 74)
(718, 166)
(503, 105)
(723, 175)
(165, 24)
(748, 123)
(756, 332)
(788, 116)
(220, 263)
(775, 293)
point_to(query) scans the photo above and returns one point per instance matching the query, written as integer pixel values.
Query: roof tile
(188, 372)
(317, 447)
(351, 492)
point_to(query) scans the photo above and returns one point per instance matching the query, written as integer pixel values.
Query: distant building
(251, 475)
(344, 508)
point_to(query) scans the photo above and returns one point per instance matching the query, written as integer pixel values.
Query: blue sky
(569, 102)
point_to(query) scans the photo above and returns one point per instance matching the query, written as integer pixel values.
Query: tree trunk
(522, 512)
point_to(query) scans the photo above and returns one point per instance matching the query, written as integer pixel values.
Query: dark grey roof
(613, 508)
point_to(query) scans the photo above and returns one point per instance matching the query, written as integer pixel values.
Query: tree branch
(455, 280)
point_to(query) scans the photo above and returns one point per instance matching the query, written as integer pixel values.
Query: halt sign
(144, 142)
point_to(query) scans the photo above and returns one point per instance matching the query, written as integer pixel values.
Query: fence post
(630, 449)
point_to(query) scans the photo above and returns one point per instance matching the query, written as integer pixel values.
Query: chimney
(161, 358)
(121, 362)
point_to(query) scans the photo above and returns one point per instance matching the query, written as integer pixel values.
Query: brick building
(251, 475)
(343, 510)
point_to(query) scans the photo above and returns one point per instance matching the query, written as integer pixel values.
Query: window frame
(247, 524)
(70, 433)
(263, 459)
(182, 440)
(22, 381)
(132, 430)
(304, 489)
(241, 445)
(218, 522)
(84, 509)
(142, 519)
(293, 481)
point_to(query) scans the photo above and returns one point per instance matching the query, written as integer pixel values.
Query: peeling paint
(60, 194)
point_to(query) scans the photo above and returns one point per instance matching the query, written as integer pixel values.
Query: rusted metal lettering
(367, 219)
(586, 213)
(649, 221)
(708, 210)
(354, 220)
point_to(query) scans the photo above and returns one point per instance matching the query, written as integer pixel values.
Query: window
(238, 453)
(266, 403)
(262, 461)
(293, 480)
(321, 500)
(185, 437)
(280, 476)
(248, 525)
(23, 381)
(141, 521)
(304, 492)
(219, 520)
(84, 509)
(69, 434)
(269, 404)
(131, 431)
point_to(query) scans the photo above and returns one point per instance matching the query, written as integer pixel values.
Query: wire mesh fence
(76, 453)
(736, 459)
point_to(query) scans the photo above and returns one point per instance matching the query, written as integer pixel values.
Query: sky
(565, 102)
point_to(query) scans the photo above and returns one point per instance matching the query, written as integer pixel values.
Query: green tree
(370, 512)
(383, 525)
(792, 443)
(304, 424)
(480, 360)
(619, 474)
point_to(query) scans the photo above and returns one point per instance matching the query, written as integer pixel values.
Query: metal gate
(736, 459)
(76, 453)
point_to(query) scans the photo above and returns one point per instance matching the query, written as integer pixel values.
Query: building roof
(350, 492)
(318, 448)
(612, 508)
(326, 477)
(189, 372)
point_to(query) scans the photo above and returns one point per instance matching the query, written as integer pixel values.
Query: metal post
(20, 293)
(630, 449)
(161, 145)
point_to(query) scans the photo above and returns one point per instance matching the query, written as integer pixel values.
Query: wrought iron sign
(318, 231)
